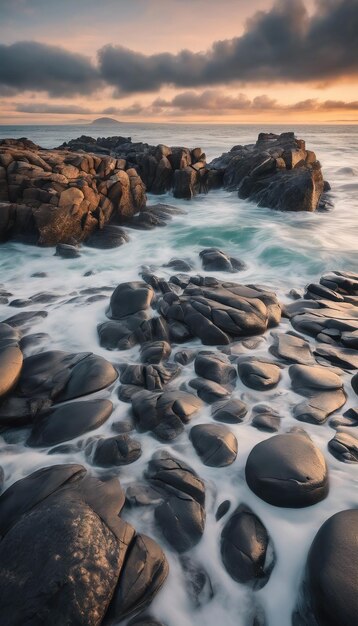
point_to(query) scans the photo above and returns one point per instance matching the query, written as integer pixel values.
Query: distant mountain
(104, 121)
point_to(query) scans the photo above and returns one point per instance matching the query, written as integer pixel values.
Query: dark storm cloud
(283, 44)
(43, 107)
(35, 66)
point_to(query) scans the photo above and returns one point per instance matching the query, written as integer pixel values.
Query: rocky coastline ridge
(91, 186)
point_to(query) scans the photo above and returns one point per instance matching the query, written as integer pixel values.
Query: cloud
(282, 44)
(52, 108)
(33, 66)
(212, 100)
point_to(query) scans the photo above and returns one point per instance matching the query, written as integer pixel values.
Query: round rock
(215, 444)
(287, 470)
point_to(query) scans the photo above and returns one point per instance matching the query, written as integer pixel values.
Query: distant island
(104, 121)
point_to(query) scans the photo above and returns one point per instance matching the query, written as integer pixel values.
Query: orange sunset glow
(174, 60)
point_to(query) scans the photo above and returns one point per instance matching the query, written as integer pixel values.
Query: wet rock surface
(328, 594)
(287, 470)
(244, 547)
(78, 586)
(276, 172)
(113, 411)
(215, 444)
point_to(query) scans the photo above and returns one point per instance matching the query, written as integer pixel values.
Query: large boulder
(287, 470)
(70, 520)
(218, 312)
(276, 172)
(328, 595)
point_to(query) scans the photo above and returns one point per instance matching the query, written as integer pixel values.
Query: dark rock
(155, 351)
(215, 260)
(179, 265)
(276, 172)
(215, 444)
(164, 413)
(37, 514)
(25, 319)
(217, 312)
(291, 348)
(222, 509)
(110, 236)
(354, 383)
(342, 357)
(344, 446)
(230, 411)
(150, 377)
(143, 574)
(113, 451)
(328, 595)
(184, 357)
(259, 375)
(245, 547)
(287, 470)
(322, 387)
(68, 421)
(348, 419)
(267, 421)
(216, 367)
(130, 298)
(208, 390)
(64, 376)
(66, 251)
(181, 516)
(119, 334)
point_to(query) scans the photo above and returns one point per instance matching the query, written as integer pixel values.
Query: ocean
(281, 251)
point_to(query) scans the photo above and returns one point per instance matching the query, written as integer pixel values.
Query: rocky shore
(70, 194)
(105, 572)
(143, 427)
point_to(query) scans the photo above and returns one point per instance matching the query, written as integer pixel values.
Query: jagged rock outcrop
(276, 172)
(58, 196)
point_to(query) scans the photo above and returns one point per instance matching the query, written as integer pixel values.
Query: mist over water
(282, 251)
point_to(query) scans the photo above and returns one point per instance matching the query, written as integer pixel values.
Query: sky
(243, 61)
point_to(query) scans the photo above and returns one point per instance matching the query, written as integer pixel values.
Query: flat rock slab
(215, 444)
(287, 470)
(306, 378)
(291, 348)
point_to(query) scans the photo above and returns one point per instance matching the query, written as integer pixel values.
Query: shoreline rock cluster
(106, 571)
(87, 186)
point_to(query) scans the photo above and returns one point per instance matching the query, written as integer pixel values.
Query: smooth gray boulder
(288, 471)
